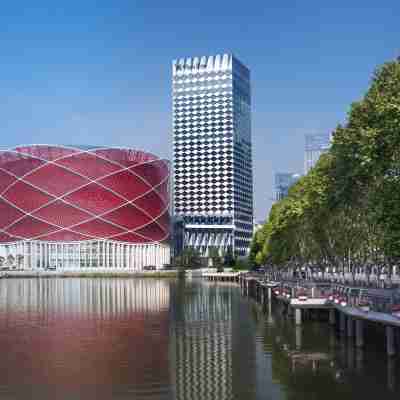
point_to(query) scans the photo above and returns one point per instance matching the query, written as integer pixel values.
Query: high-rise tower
(213, 178)
(316, 144)
(283, 182)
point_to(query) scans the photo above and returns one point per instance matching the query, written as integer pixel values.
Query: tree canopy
(346, 210)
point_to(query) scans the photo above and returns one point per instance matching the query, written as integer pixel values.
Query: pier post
(359, 333)
(298, 334)
(332, 316)
(269, 294)
(342, 325)
(350, 327)
(350, 357)
(390, 342)
(391, 373)
(290, 310)
(359, 360)
(298, 316)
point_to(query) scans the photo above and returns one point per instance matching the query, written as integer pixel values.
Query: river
(111, 338)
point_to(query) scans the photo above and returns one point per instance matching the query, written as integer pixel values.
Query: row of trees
(345, 212)
(191, 258)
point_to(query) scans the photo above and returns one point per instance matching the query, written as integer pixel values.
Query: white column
(105, 244)
(104, 254)
(136, 257)
(298, 316)
(67, 256)
(85, 252)
(34, 255)
(80, 255)
(98, 254)
(40, 255)
(26, 249)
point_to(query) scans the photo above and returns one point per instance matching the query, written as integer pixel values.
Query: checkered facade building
(213, 185)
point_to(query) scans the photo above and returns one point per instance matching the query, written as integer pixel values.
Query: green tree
(346, 211)
(189, 258)
(229, 259)
(216, 259)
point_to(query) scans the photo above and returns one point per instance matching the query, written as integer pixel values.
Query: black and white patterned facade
(212, 152)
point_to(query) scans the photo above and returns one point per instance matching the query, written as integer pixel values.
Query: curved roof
(66, 193)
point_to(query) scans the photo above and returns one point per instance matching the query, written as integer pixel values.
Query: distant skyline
(99, 72)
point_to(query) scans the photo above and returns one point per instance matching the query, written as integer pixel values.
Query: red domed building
(83, 207)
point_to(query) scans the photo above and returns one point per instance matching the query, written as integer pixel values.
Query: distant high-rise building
(283, 182)
(316, 144)
(213, 178)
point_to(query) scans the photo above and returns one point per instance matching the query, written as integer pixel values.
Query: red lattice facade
(67, 194)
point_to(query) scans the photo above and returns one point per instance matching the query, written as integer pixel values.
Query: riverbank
(334, 303)
(89, 274)
(114, 273)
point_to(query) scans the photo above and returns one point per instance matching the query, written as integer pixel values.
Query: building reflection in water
(213, 344)
(84, 338)
(314, 361)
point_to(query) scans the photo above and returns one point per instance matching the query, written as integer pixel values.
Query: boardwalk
(299, 297)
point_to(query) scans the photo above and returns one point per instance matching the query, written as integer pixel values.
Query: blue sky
(98, 72)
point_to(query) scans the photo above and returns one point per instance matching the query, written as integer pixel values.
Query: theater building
(83, 208)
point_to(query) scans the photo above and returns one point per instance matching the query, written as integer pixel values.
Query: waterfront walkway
(299, 298)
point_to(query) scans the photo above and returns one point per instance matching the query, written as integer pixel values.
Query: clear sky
(98, 72)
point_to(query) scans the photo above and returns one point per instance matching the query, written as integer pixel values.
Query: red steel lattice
(66, 194)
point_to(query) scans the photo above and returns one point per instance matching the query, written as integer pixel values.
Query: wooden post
(359, 333)
(350, 327)
(390, 342)
(342, 325)
(332, 316)
(298, 334)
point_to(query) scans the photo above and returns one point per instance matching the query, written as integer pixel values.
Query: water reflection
(84, 338)
(157, 339)
(213, 343)
(311, 361)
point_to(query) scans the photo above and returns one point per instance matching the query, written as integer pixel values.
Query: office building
(213, 181)
(283, 182)
(316, 144)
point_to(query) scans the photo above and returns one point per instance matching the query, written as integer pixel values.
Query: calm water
(159, 339)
